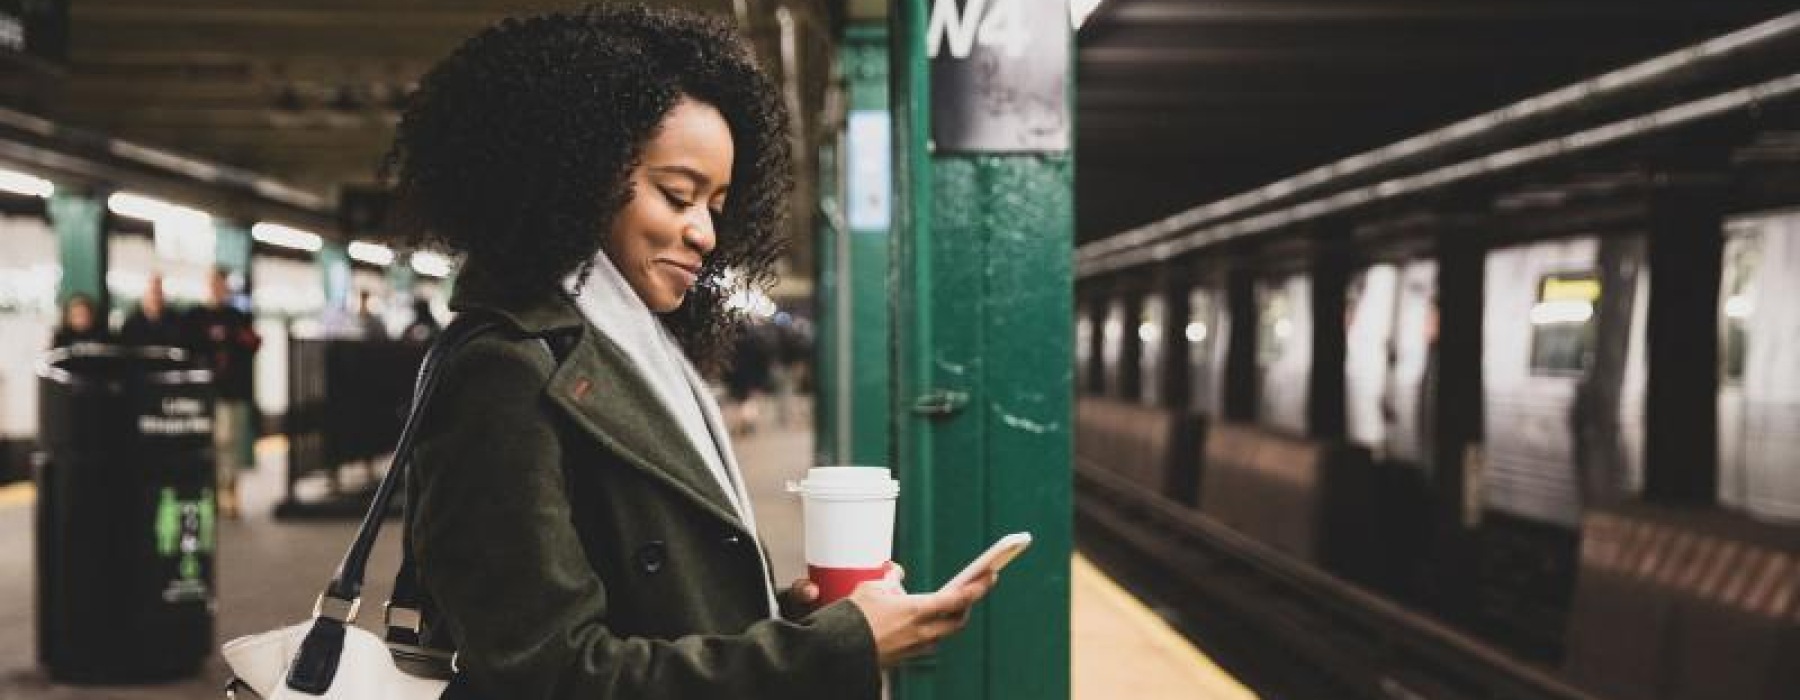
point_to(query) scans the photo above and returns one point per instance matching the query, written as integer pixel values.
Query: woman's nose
(700, 232)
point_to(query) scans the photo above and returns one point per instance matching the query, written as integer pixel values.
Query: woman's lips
(684, 273)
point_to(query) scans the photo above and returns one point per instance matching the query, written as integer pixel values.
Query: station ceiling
(1179, 102)
(1183, 102)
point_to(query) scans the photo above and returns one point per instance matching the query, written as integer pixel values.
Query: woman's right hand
(907, 625)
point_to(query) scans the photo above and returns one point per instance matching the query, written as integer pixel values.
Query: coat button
(651, 557)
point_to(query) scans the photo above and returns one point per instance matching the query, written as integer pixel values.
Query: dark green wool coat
(575, 546)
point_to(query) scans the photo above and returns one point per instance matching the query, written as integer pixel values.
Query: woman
(577, 517)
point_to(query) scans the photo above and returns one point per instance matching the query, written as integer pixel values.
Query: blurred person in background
(424, 325)
(78, 323)
(153, 322)
(225, 340)
(367, 322)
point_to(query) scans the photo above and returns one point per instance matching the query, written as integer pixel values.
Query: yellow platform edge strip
(1207, 674)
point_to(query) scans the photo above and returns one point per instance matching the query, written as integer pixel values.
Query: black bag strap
(406, 609)
(315, 664)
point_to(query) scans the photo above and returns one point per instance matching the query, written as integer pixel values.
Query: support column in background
(853, 419)
(80, 224)
(983, 332)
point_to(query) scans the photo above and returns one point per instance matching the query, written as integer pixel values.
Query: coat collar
(604, 394)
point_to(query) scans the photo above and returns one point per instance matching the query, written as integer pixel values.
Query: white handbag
(328, 657)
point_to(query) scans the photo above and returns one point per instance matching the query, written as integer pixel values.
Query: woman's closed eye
(683, 203)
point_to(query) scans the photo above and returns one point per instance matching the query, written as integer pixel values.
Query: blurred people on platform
(153, 322)
(367, 322)
(747, 378)
(224, 339)
(79, 323)
(424, 325)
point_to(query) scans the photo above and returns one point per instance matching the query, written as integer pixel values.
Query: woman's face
(663, 234)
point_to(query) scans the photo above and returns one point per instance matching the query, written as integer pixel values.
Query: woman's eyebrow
(696, 176)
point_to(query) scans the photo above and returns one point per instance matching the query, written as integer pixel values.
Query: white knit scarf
(614, 308)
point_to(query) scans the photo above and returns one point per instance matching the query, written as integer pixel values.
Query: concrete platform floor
(269, 572)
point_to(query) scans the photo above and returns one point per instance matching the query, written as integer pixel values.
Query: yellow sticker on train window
(1581, 286)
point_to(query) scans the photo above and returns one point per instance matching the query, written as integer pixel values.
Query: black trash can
(125, 514)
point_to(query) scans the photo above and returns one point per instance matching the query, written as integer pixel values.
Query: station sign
(999, 75)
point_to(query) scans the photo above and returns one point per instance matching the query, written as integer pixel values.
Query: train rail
(1290, 629)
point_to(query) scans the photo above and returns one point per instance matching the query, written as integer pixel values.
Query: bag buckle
(401, 616)
(345, 610)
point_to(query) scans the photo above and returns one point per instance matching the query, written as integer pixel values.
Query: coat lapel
(611, 401)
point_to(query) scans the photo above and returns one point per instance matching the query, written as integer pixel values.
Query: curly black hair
(516, 151)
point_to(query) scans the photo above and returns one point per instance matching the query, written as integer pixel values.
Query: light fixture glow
(430, 264)
(1196, 332)
(371, 253)
(1739, 307)
(154, 210)
(1550, 313)
(27, 185)
(286, 236)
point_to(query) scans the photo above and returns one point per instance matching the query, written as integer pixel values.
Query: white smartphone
(994, 559)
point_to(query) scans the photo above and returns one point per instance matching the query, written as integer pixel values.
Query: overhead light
(1080, 10)
(286, 237)
(430, 264)
(28, 185)
(1739, 306)
(372, 253)
(154, 210)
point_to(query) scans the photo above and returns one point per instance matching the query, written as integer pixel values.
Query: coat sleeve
(497, 551)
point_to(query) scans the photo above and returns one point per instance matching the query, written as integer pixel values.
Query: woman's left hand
(799, 599)
(802, 596)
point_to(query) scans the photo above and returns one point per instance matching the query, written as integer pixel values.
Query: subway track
(1287, 630)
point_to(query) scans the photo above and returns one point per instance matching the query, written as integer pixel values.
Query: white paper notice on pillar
(871, 148)
(999, 75)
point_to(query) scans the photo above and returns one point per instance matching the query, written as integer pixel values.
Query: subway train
(1533, 416)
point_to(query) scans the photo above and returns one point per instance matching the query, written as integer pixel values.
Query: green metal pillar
(232, 251)
(984, 364)
(334, 264)
(79, 221)
(854, 417)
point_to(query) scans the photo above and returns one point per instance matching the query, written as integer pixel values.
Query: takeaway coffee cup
(849, 517)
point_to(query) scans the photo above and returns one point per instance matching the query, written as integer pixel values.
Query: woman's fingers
(804, 591)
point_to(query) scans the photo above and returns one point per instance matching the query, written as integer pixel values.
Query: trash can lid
(87, 362)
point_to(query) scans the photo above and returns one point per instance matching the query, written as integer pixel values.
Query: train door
(1112, 348)
(1205, 333)
(1391, 328)
(1562, 330)
(1152, 319)
(1283, 351)
(1759, 391)
(1084, 349)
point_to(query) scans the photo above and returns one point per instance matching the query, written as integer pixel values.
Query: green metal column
(232, 250)
(334, 264)
(79, 221)
(862, 313)
(983, 384)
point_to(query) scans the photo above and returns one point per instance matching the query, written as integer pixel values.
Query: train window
(1202, 331)
(1084, 349)
(1284, 351)
(1562, 329)
(1743, 254)
(1152, 317)
(1112, 348)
